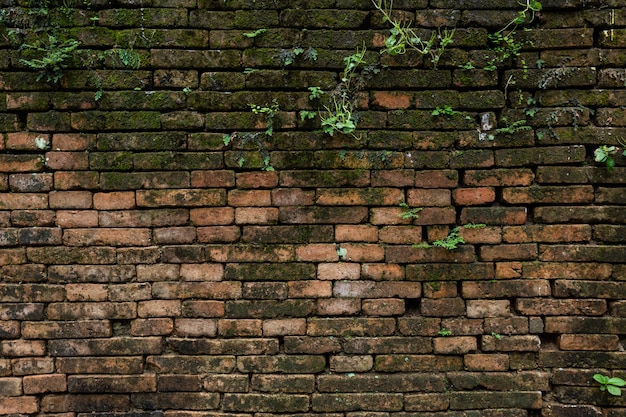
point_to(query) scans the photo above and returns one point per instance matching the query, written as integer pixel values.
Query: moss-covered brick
(141, 141)
(137, 180)
(182, 120)
(412, 79)
(550, 78)
(145, 18)
(107, 79)
(471, 159)
(98, 120)
(269, 308)
(270, 272)
(141, 100)
(283, 403)
(539, 156)
(288, 234)
(188, 59)
(336, 19)
(32, 101)
(322, 215)
(48, 121)
(181, 197)
(213, 19)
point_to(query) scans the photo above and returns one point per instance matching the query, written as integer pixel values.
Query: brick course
(161, 249)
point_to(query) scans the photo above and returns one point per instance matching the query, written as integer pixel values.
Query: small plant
(402, 37)
(505, 44)
(604, 153)
(510, 128)
(451, 241)
(315, 93)
(288, 56)
(610, 385)
(129, 57)
(255, 33)
(55, 54)
(307, 114)
(340, 114)
(444, 332)
(497, 336)
(257, 137)
(444, 111)
(408, 212)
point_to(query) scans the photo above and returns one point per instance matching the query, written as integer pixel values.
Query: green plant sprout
(288, 56)
(444, 111)
(451, 241)
(402, 37)
(339, 114)
(444, 332)
(497, 336)
(610, 385)
(55, 54)
(505, 44)
(315, 93)
(510, 128)
(408, 212)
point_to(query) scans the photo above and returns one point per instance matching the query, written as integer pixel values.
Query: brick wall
(163, 253)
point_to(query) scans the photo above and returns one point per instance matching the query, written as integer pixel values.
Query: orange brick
(310, 289)
(317, 252)
(217, 234)
(114, 201)
(267, 179)
(212, 179)
(428, 197)
(151, 327)
(356, 233)
(292, 197)
(27, 141)
(391, 100)
(195, 327)
(338, 270)
(249, 198)
(202, 272)
(253, 215)
(455, 345)
(67, 160)
(283, 327)
(73, 141)
(212, 216)
(86, 292)
(77, 218)
(602, 342)
(38, 384)
(240, 327)
(486, 362)
(71, 199)
(19, 405)
(473, 196)
(159, 308)
(383, 307)
(401, 235)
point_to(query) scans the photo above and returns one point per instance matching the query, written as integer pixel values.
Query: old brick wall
(152, 263)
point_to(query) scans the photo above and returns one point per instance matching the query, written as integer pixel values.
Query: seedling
(604, 153)
(451, 241)
(610, 385)
(408, 212)
(444, 111)
(444, 332)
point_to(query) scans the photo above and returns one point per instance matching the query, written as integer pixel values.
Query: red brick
(499, 177)
(383, 307)
(455, 345)
(107, 236)
(77, 218)
(159, 308)
(17, 348)
(217, 234)
(391, 100)
(356, 233)
(73, 141)
(240, 327)
(396, 178)
(440, 289)
(522, 251)
(19, 405)
(387, 216)
(114, 201)
(31, 183)
(27, 141)
(71, 200)
(212, 216)
(283, 327)
(195, 327)
(23, 201)
(249, 198)
(486, 235)
(268, 179)
(309, 289)
(443, 307)
(252, 215)
(21, 163)
(509, 288)
(485, 362)
(317, 252)
(212, 179)
(32, 366)
(151, 327)
(359, 197)
(180, 198)
(86, 292)
(488, 308)
(473, 196)
(428, 197)
(601, 342)
(547, 233)
(549, 194)
(68, 161)
(202, 272)
(437, 179)
(292, 197)
(361, 252)
(39, 384)
(338, 307)
(401, 235)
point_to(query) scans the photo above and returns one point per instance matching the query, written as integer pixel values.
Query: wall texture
(178, 238)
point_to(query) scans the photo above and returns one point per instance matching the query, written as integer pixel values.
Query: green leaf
(602, 379)
(613, 390)
(618, 382)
